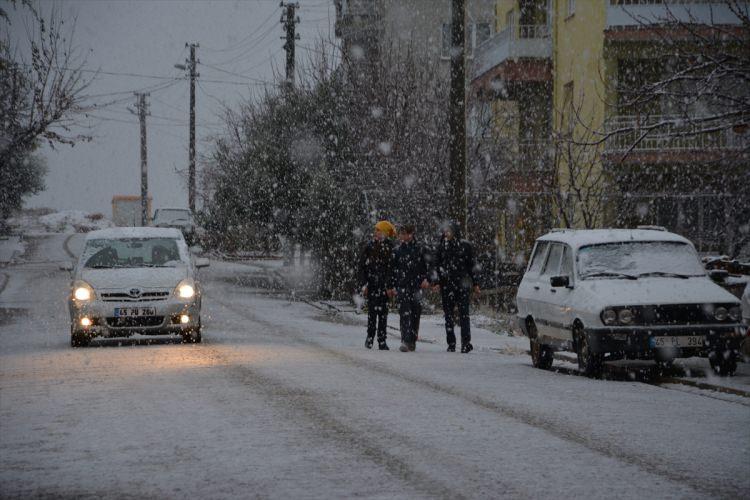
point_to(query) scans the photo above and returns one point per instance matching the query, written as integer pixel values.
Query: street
(283, 401)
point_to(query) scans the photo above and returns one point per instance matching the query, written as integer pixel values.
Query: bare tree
(41, 94)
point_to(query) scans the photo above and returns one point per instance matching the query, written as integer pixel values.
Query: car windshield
(131, 252)
(638, 259)
(172, 215)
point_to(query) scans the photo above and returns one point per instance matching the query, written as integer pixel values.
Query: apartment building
(558, 69)
(365, 25)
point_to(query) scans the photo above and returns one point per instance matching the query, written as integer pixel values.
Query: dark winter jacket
(409, 269)
(454, 263)
(376, 265)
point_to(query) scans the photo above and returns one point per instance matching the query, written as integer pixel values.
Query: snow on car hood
(600, 293)
(143, 277)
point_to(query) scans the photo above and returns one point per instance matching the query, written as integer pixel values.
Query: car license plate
(680, 341)
(130, 312)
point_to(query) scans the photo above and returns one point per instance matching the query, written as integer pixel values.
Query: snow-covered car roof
(578, 238)
(134, 232)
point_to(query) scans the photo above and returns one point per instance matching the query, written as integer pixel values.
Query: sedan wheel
(541, 354)
(589, 363)
(723, 365)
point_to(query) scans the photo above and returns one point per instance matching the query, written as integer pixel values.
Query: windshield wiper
(664, 273)
(610, 274)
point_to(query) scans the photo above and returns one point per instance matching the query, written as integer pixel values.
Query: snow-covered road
(283, 401)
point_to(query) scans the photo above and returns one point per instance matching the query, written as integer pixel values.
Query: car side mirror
(559, 281)
(201, 262)
(66, 266)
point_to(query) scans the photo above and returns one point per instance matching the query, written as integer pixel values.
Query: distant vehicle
(126, 210)
(135, 280)
(639, 294)
(178, 218)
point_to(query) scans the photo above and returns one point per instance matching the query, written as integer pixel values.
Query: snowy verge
(11, 247)
(35, 222)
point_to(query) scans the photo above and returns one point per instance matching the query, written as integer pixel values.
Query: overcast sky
(240, 46)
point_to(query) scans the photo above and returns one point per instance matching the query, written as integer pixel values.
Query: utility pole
(457, 117)
(142, 113)
(191, 147)
(289, 20)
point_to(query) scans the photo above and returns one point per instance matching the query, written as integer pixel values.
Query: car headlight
(734, 313)
(625, 316)
(721, 313)
(185, 290)
(609, 316)
(82, 291)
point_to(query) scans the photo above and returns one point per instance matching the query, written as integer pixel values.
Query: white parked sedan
(135, 280)
(637, 294)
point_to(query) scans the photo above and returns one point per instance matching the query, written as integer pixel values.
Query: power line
(232, 73)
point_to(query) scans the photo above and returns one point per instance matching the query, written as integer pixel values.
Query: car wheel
(541, 354)
(193, 335)
(79, 339)
(723, 365)
(590, 363)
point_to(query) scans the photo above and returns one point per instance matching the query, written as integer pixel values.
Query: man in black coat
(375, 267)
(454, 275)
(408, 279)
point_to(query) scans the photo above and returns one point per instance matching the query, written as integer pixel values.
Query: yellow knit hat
(386, 228)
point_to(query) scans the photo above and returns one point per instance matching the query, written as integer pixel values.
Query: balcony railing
(668, 134)
(633, 13)
(525, 41)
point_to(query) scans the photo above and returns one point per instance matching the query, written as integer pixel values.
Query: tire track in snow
(577, 436)
(373, 445)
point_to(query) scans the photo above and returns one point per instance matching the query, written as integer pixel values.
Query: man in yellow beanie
(375, 267)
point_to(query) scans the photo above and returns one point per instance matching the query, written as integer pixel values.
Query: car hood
(141, 277)
(600, 293)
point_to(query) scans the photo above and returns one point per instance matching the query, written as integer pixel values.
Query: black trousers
(456, 298)
(409, 310)
(377, 315)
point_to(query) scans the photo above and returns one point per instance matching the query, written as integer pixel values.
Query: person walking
(454, 277)
(375, 267)
(408, 279)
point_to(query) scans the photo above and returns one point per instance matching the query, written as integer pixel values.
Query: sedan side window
(539, 252)
(553, 260)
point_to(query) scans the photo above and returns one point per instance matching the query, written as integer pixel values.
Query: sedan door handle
(536, 288)
(553, 290)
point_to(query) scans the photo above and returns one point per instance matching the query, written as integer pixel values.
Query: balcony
(517, 53)
(669, 139)
(626, 18)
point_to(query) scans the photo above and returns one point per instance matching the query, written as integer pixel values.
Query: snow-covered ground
(283, 401)
(65, 221)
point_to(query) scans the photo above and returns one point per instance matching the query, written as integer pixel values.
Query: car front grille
(673, 314)
(151, 296)
(135, 322)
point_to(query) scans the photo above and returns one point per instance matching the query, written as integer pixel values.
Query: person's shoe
(404, 347)
(466, 347)
(368, 342)
(413, 346)
(383, 346)
(451, 347)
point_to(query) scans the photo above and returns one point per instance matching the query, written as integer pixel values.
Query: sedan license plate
(680, 341)
(130, 312)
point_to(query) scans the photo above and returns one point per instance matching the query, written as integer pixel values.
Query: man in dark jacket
(454, 274)
(408, 279)
(375, 266)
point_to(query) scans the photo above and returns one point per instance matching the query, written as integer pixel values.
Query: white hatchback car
(135, 280)
(637, 294)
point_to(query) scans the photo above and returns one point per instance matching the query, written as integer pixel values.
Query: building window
(571, 8)
(482, 32)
